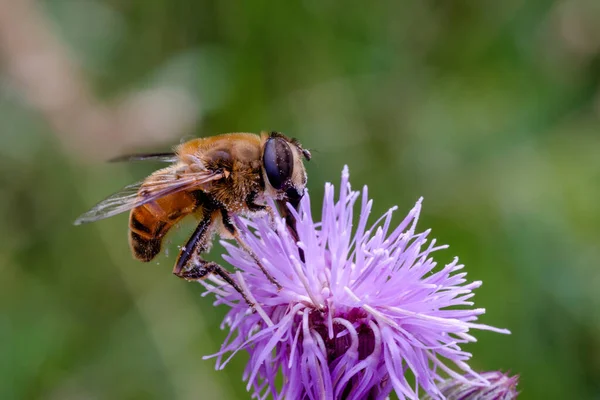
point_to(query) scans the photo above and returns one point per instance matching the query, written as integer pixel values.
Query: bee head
(283, 167)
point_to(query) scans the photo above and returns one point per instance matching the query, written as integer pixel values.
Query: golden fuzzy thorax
(238, 155)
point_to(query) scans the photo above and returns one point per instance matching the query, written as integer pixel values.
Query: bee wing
(161, 157)
(146, 191)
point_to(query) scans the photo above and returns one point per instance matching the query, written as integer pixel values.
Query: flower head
(361, 311)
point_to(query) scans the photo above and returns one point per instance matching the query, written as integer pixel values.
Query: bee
(211, 178)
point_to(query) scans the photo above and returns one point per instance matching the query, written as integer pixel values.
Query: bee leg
(272, 217)
(269, 211)
(290, 221)
(253, 207)
(196, 244)
(228, 224)
(200, 268)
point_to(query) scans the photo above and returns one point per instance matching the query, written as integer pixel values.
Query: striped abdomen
(149, 223)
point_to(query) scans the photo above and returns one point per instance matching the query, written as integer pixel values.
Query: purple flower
(501, 387)
(365, 313)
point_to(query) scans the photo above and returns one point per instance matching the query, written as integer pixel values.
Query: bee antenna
(306, 154)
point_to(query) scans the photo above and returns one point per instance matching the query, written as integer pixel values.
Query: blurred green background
(490, 110)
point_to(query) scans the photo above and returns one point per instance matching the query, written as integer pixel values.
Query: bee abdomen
(144, 249)
(149, 223)
(146, 231)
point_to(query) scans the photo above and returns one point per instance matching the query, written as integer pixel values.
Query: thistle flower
(501, 387)
(362, 313)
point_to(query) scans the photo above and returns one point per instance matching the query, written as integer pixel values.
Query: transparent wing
(161, 157)
(151, 189)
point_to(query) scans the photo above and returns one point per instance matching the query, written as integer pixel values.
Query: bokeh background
(488, 109)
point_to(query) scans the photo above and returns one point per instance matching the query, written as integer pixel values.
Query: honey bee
(213, 179)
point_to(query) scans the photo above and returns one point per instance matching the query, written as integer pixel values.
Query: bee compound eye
(278, 161)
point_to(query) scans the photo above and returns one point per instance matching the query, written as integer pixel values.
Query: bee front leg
(191, 267)
(228, 224)
(254, 207)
